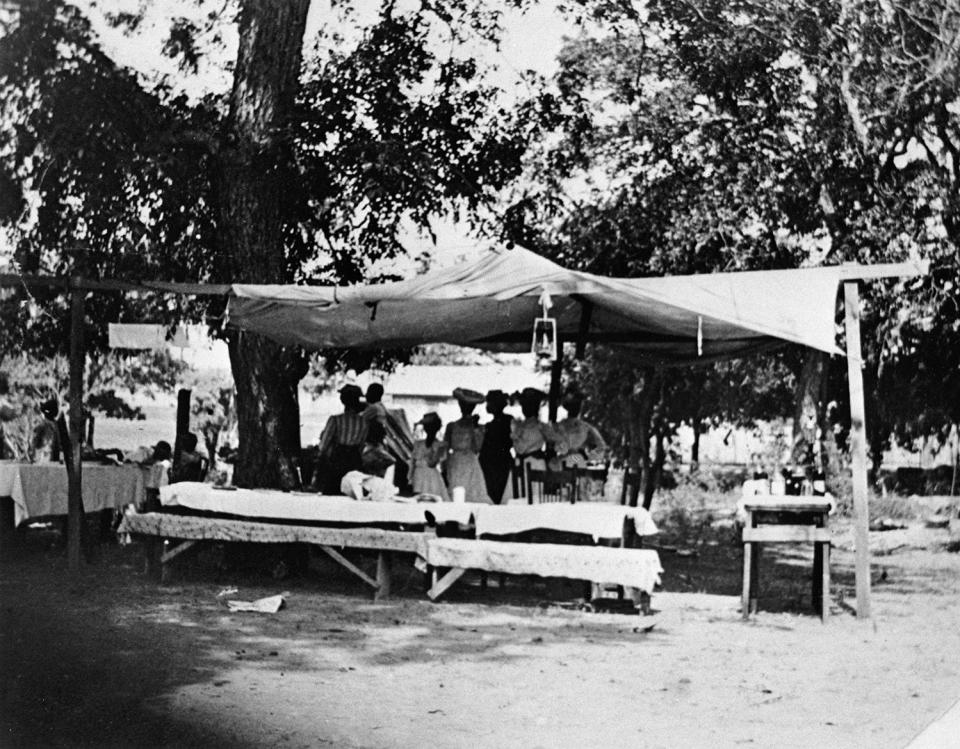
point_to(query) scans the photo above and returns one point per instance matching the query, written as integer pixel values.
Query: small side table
(786, 519)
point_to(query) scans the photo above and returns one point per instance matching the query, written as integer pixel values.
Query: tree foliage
(111, 172)
(724, 136)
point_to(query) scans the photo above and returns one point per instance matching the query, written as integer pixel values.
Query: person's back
(375, 460)
(375, 410)
(46, 436)
(191, 465)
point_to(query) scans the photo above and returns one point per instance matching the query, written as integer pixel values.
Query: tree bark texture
(256, 174)
(808, 409)
(656, 471)
(640, 412)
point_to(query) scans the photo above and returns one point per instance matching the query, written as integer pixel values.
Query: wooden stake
(74, 459)
(858, 447)
(182, 423)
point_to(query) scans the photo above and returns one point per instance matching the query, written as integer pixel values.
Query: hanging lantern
(544, 344)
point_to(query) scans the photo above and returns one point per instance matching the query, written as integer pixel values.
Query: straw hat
(351, 391)
(497, 398)
(468, 396)
(430, 419)
(572, 398)
(531, 395)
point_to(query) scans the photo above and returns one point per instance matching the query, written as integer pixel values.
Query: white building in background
(417, 389)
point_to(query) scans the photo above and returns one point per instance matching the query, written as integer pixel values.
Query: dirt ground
(112, 659)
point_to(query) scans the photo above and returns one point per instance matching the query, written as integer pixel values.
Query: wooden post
(182, 423)
(555, 373)
(858, 447)
(74, 458)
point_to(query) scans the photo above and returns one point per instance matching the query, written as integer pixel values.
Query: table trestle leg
(342, 560)
(440, 586)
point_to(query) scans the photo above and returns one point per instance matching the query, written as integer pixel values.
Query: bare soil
(112, 659)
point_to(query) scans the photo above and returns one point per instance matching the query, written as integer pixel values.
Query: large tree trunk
(656, 470)
(256, 173)
(808, 408)
(640, 414)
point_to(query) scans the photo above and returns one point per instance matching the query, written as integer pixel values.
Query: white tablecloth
(40, 489)
(8, 471)
(636, 568)
(593, 519)
(270, 503)
(193, 527)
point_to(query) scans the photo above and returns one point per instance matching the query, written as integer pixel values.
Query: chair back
(193, 471)
(551, 486)
(631, 488)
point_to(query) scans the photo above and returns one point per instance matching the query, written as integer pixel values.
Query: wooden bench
(166, 536)
(632, 568)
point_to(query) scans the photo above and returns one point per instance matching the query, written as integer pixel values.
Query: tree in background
(110, 379)
(295, 169)
(716, 136)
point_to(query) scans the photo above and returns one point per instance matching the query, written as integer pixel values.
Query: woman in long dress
(496, 459)
(534, 442)
(341, 442)
(427, 456)
(584, 445)
(465, 438)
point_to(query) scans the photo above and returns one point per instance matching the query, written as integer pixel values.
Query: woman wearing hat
(582, 440)
(427, 456)
(534, 441)
(496, 461)
(341, 442)
(584, 444)
(465, 438)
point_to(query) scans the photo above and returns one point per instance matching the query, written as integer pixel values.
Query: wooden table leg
(817, 576)
(384, 566)
(7, 525)
(754, 577)
(745, 595)
(825, 603)
(152, 552)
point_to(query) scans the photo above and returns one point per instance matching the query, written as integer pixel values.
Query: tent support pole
(74, 460)
(858, 446)
(586, 313)
(556, 370)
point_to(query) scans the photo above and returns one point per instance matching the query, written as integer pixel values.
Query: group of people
(473, 458)
(481, 458)
(354, 440)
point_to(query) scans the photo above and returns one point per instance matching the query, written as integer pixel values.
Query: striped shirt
(348, 428)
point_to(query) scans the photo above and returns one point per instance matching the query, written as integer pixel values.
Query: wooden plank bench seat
(155, 527)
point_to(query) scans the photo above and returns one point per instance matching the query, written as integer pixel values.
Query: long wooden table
(335, 523)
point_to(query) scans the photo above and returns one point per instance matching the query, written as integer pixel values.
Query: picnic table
(194, 512)
(40, 489)
(786, 519)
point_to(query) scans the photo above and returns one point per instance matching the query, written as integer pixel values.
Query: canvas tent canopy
(492, 302)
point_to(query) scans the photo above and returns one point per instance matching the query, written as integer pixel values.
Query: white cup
(459, 494)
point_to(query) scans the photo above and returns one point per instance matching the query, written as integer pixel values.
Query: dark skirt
(496, 473)
(338, 463)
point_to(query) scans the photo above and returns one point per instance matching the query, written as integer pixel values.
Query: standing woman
(534, 441)
(7, 413)
(465, 438)
(495, 457)
(341, 442)
(427, 456)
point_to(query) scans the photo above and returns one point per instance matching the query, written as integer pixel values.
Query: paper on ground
(270, 605)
